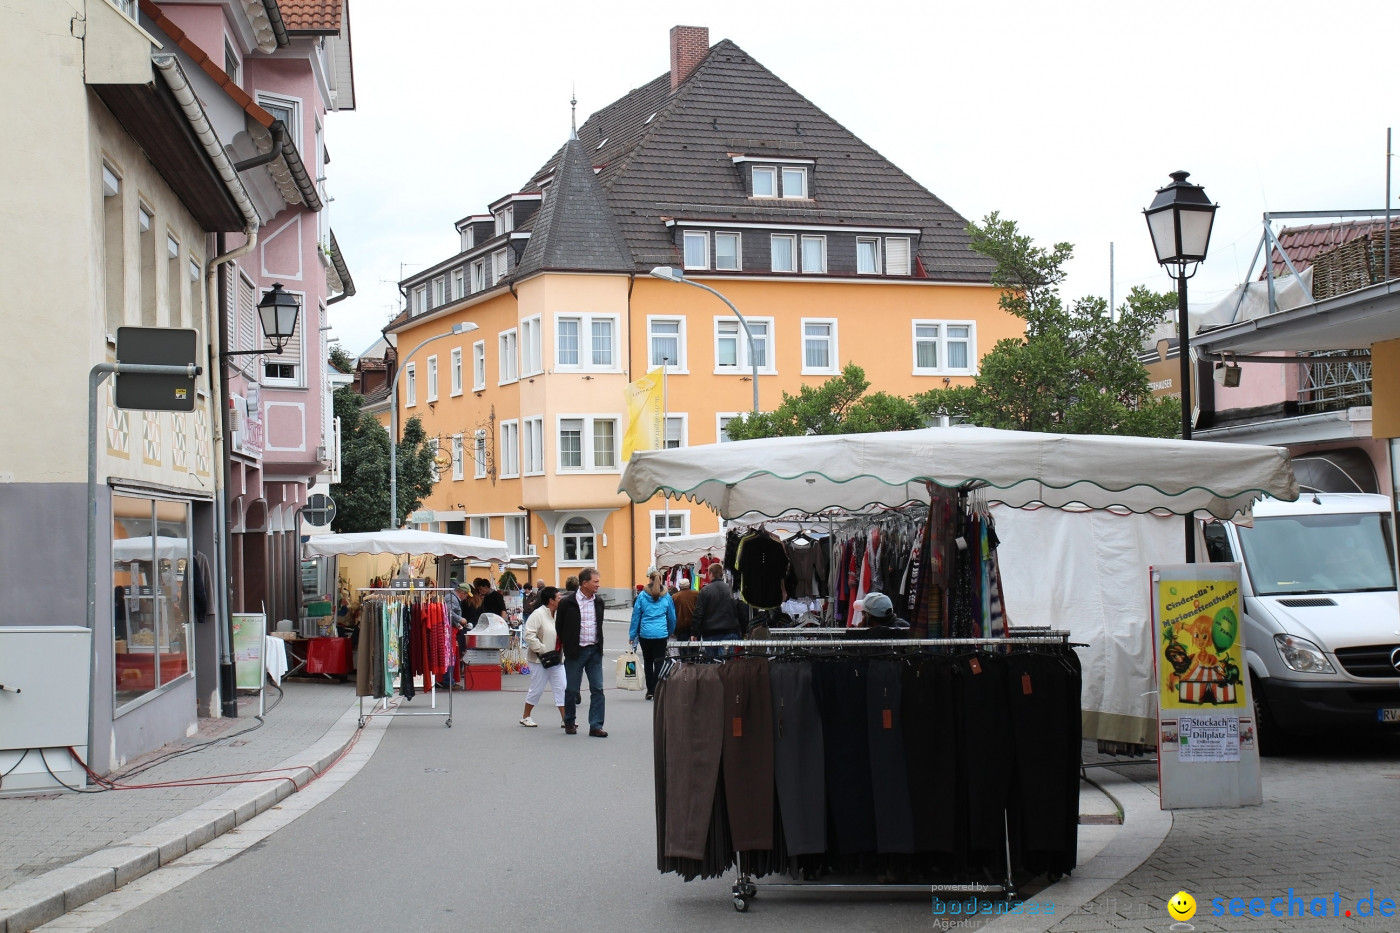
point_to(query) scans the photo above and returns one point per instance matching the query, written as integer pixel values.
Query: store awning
(775, 476)
(688, 549)
(408, 541)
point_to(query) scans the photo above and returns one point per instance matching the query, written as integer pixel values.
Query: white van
(1322, 623)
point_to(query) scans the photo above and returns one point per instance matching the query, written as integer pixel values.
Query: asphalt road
(491, 826)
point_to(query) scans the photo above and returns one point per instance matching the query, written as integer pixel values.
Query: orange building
(831, 254)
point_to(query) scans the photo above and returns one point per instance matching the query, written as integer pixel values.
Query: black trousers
(798, 759)
(653, 650)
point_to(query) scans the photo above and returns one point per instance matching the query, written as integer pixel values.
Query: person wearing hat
(879, 614)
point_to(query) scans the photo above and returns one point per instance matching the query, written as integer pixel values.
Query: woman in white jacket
(539, 638)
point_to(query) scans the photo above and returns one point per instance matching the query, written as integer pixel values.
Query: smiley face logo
(1182, 906)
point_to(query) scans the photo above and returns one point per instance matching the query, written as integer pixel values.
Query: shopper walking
(540, 637)
(579, 621)
(653, 622)
(714, 618)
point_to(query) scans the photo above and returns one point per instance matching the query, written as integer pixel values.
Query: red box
(483, 677)
(328, 656)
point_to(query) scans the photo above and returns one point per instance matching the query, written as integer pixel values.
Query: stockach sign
(162, 346)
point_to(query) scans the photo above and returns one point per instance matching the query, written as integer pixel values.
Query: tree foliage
(362, 495)
(837, 406)
(1076, 370)
(342, 360)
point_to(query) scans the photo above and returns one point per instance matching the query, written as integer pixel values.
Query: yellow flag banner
(646, 423)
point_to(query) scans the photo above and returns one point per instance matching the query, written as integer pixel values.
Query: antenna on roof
(573, 112)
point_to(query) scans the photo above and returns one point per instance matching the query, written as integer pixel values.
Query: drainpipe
(169, 69)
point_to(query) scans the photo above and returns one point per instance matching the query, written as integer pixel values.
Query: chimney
(689, 46)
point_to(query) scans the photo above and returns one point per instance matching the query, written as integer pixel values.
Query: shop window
(153, 595)
(578, 542)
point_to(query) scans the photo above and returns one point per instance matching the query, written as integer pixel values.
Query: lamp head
(669, 273)
(277, 313)
(1180, 220)
(464, 327)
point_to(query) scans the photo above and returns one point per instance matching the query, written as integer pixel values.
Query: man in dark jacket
(579, 622)
(714, 618)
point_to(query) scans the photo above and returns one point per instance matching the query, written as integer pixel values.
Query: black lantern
(1179, 220)
(278, 313)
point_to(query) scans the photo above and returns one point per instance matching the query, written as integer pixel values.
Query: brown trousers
(693, 710)
(748, 752)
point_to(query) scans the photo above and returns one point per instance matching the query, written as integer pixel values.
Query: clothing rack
(745, 886)
(381, 705)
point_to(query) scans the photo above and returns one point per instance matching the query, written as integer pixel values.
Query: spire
(573, 112)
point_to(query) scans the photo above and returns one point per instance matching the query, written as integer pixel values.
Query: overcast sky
(1066, 117)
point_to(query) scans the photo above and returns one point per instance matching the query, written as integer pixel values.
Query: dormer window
(794, 182)
(505, 220)
(765, 182)
(468, 238)
(697, 250)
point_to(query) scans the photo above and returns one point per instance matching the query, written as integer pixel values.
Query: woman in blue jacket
(653, 622)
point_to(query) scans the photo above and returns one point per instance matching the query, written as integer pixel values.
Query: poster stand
(249, 653)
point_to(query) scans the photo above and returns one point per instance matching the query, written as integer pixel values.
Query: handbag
(629, 671)
(550, 659)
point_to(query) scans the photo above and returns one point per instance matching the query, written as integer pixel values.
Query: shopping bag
(629, 672)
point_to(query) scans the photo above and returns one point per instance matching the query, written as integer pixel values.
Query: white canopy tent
(786, 475)
(408, 541)
(688, 549)
(141, 548)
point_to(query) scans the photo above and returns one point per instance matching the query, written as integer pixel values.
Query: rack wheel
(449, 722)
(741, 903)
(362, 722)
(750, 890)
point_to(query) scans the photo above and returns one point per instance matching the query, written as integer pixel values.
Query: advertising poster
(1207, 754)
(249, 632)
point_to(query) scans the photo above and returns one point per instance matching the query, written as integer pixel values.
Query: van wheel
(1272, 739)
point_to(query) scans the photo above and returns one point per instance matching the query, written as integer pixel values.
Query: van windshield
(1325, 553)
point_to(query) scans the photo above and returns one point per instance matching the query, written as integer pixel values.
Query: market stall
(1004, 785)
(405, 644)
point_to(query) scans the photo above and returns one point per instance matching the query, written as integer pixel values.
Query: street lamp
(671, 274)
(278, 314)
(465, 327)
(1179, 221)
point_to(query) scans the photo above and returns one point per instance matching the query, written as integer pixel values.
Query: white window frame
(908, 255)
(531, 350)
(879, 255)
(420, 300)
(695, 236)
(532, 446)
(585, 362)
(663, 525)
(508, 356)
(434, 445)
(721, 417)
(499, 266)
(615, 466)
(819, 240)
(772, 172)
(770, 345)
(456, 371)
(479, 366)
(432, 378)
(794, 260)
(679, 366)
(738, 251)
(561, 536)
(479, 526)
(459, 458)
(410, 385)
(516, 528)
(682, 422)
(941, 347)
(439, 291)
(833, 358)
(459, 284)
(478, 270)
(509, 453)
(588, 455)
(479, 454)
(293, 106)
(798, 170)
(505, 219)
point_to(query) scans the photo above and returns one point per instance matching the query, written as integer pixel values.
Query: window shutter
(897, 256)
(249, 330)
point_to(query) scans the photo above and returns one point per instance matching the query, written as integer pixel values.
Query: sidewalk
(62, 850)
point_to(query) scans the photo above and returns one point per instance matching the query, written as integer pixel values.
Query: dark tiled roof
(574, 229)
(679, 164)
(378, 395)
(319, 16)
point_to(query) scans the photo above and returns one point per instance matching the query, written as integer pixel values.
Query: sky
(1065, 117)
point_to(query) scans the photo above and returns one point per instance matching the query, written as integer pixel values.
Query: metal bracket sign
(172, 346)
(319, 511)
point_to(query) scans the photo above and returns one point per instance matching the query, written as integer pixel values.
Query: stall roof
(688, 549)
(408, 541)
(783, 475)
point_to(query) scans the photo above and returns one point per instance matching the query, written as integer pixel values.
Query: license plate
(1388, 715)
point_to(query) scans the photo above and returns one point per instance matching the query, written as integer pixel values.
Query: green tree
(837, 406)
(362, 495)
(341, 360)
(1076, 370)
